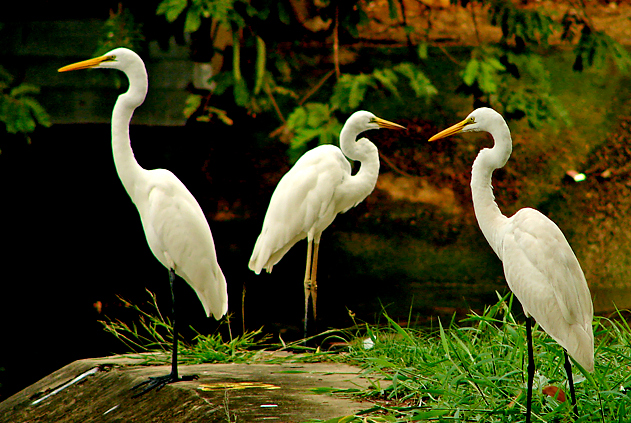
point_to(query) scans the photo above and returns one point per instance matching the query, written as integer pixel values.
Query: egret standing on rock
(308, 197)
(539, 264)
(174, 224)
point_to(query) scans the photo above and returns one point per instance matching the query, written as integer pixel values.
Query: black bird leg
(159, 382)
(568, 370)
(531, 368)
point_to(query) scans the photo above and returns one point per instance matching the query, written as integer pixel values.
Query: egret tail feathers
(212, 291)
(580, 346)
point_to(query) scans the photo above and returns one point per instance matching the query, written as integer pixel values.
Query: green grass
(468, 371)
(153, 333)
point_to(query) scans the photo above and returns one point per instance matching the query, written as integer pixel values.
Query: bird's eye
(111, 58)
(471, 120)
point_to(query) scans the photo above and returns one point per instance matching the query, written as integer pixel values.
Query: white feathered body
(540, 267)
(309, 196)
(174, 224)
(179, 236)
(546, 277)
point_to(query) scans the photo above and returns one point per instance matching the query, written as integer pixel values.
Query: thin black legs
(174, 375)
(568, 370)
(160, 381)
(531, 368)
(531, 373)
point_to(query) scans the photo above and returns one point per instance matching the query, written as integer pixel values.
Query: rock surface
(99, 390)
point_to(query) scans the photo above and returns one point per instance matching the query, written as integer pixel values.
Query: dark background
(73, 238)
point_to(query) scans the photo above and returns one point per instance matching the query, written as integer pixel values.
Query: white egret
(174, 224)
(539, 264)
(309, 196)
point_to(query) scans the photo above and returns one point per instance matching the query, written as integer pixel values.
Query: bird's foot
(159, 382)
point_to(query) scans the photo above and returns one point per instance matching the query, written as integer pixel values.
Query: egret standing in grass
(174, 224)
(539, 264)
(308, 197)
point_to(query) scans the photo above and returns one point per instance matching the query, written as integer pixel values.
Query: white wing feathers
(543, 272)
(178, 234)
(302, 205)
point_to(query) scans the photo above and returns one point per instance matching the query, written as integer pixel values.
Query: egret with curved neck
(174, 224)
(539, 264)
(315, 190)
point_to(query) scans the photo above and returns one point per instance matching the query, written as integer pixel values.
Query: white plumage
(316, 189)
(539, 264)
(306, 201)
(174, 224)
(543, 272)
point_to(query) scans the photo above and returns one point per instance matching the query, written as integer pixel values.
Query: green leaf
(381, 361)
(420, 83)
(387, 78)
(283, 15)
(260, 64)
(193, 20)
(443, 339)
(423, 50)
(224, 80)
(192, 104)
(470, 73)
(343, 419)
(171, 9)
(350, 91)
(425, 415)
(308, 122)
(37, 111)
(400, 330)
(297, 119)
(241, 93)
(24, 89)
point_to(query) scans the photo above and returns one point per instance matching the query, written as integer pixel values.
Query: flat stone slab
(99, 390)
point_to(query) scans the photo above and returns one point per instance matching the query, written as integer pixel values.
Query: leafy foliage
(19, 110)
(308, 122)
(529, 92)
(512, 77)
(419, 82)
(593, 48)
(119, 30)
(257, 94)
(483, 70)
(222, 10)
(518, 84)
(350, 90)
(317, 120)
(197, 106)
(509, 75)
(524, 26)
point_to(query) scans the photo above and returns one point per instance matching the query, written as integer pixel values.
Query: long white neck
(128, 169)
(364, 151)
(490, 218)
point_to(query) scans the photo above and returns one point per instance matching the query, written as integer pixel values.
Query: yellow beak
(386, 124)
(454, 129)
(86, 64)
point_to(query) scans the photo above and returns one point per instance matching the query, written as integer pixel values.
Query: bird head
(479, 120)
(363, 121)
(119, 58)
